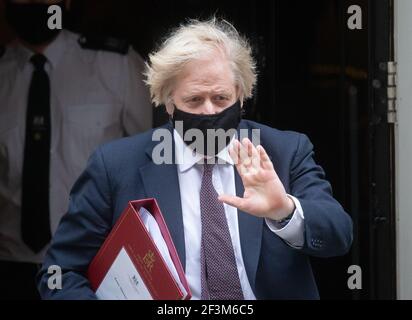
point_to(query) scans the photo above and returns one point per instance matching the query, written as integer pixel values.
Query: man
(60, 99)
(244, 228)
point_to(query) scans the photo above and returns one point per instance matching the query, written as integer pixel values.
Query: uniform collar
(53, 52)
(186, 158)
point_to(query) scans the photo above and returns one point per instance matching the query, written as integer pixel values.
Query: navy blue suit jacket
(123, 170)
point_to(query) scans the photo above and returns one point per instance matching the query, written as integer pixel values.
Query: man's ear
(170, 108)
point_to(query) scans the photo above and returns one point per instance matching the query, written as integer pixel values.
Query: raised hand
(264, 194)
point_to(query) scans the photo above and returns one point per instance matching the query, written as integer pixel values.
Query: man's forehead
(207, 71)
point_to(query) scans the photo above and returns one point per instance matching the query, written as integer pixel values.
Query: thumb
(233, 201)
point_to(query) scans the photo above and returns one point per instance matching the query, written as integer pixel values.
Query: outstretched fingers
(265, 161)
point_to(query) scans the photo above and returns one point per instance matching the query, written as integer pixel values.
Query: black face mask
(29, 20)
(214, 142)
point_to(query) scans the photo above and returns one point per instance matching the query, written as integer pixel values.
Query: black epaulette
(2, 50)
(104, 43)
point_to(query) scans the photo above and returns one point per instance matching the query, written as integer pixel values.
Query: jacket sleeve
(327, 227)
(80, 234)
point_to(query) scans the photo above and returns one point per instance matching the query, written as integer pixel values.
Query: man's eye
(220, 98)
(195, 99)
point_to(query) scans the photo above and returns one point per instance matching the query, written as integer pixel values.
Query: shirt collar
(53, 52)
(23, 55)
(186, 158)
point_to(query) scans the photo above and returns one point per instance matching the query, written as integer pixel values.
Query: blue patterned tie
(219, 274)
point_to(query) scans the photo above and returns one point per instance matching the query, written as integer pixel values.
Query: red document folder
(130, 233)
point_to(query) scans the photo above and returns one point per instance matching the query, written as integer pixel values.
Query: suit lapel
(161, 182)
(250, 231)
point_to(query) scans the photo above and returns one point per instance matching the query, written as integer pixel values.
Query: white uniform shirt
(95, 96)
(190, 179)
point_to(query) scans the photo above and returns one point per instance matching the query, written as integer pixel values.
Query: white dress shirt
(190, 177)
(95, 96)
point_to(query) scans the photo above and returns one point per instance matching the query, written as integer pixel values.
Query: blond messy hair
(191, 41)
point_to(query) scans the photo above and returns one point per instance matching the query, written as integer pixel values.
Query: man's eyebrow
(211, 92)
(224, 93)
(189, 96)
